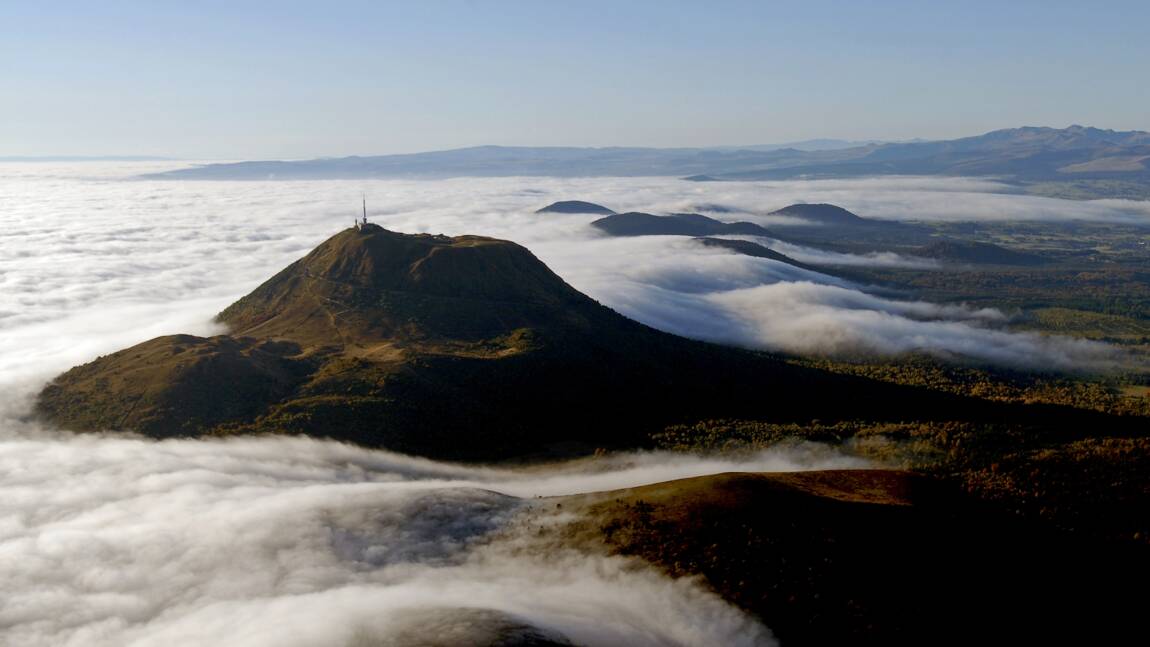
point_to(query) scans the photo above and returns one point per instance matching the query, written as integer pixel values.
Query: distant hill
(576, 206)
(1097, 162)
(977, 253)
(824, 214)
(457, 347)
(635, 223)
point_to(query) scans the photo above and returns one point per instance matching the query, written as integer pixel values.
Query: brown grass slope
(176, 385)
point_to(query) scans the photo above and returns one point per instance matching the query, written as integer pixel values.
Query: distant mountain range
(1019, 153)
(1024, 155)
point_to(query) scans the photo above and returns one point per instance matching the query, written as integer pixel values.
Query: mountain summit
(369, 285)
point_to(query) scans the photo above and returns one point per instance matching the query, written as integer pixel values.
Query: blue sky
(281, 79)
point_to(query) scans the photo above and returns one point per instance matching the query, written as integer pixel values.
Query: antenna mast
(365, 208)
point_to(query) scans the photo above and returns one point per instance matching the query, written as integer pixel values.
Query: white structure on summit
(363, 223)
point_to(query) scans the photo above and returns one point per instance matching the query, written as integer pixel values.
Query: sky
(257, 80)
